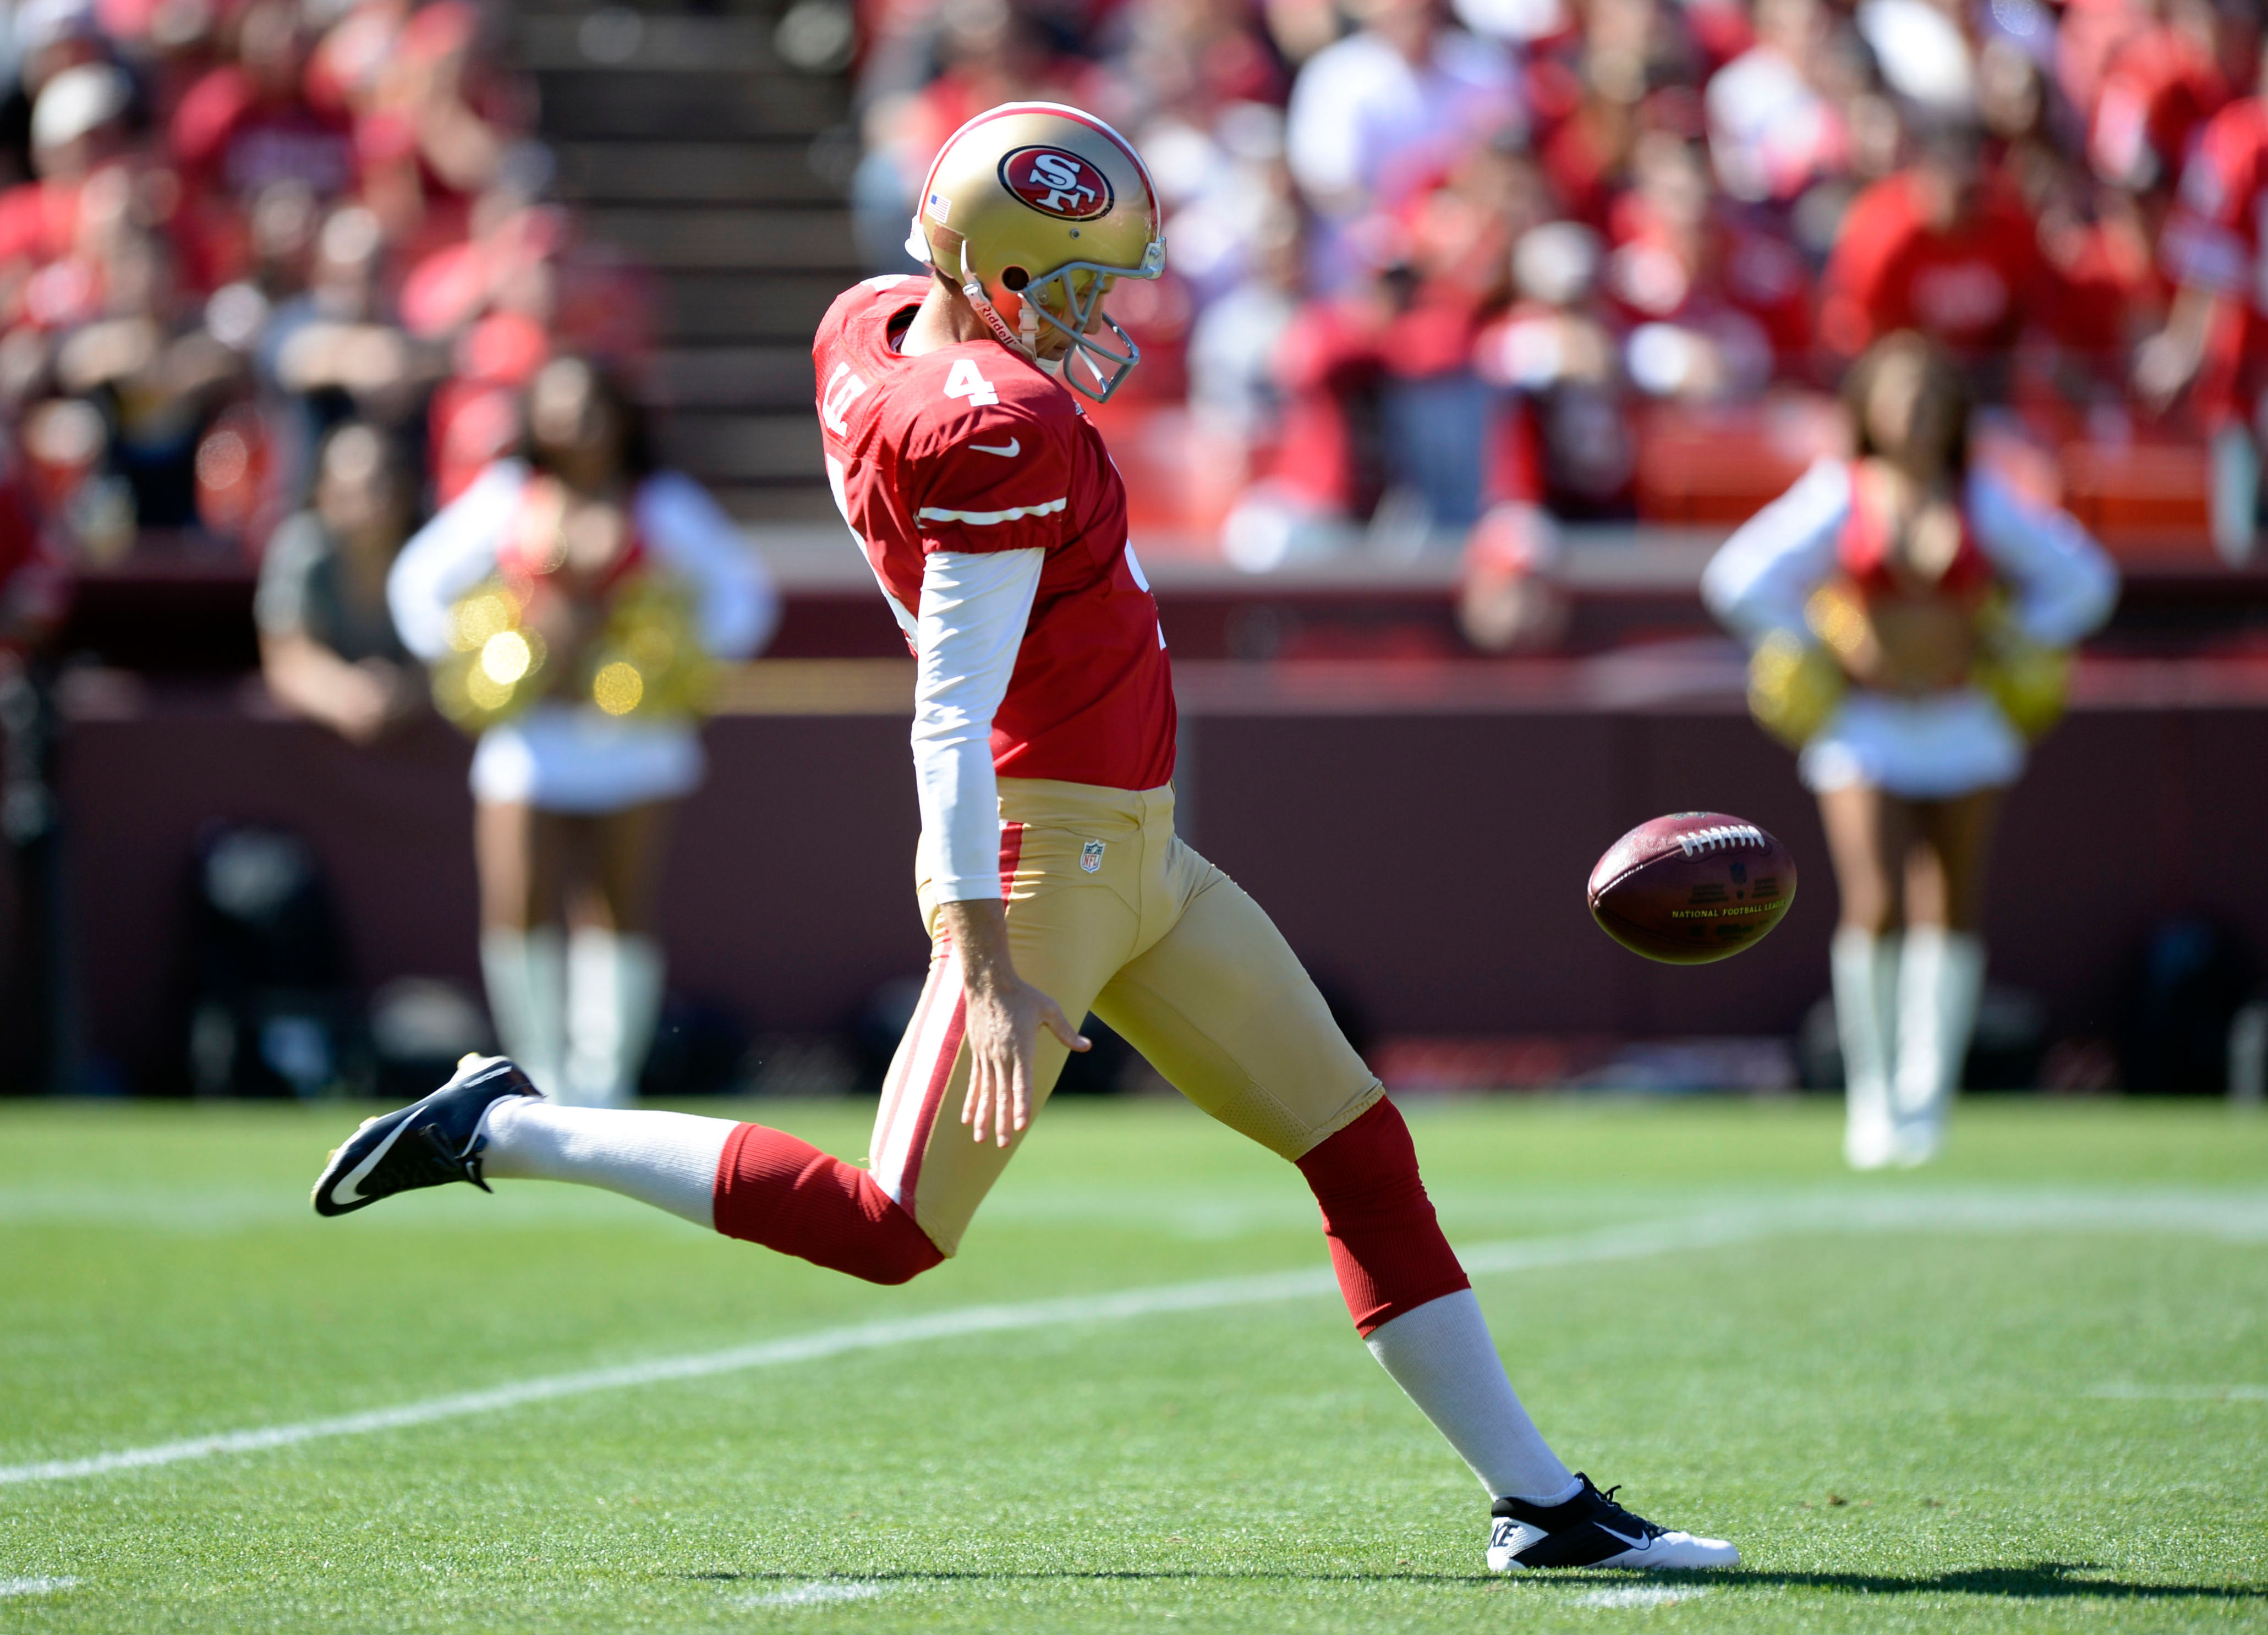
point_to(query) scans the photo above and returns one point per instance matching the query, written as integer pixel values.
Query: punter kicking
(1048, 871)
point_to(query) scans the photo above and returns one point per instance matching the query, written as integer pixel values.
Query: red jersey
(229, 138)
(1973, 288)
(973, 448)
(2212, 238)
(1863, 552)
(2158, 88)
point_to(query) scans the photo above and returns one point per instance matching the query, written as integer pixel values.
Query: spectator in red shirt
(1945, 247)
(2157, 88)
(1188, 59)
(2217, 333)
(2211, 247)
(430, 139)
(990, 52)
(48, 36)
(248, 125)
(1772, 129)
(1739, 299)
(78, 129)
(1565, 439)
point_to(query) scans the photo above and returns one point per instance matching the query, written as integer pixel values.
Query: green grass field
(2026, 1390)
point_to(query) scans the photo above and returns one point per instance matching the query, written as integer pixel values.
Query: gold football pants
(1108, 911)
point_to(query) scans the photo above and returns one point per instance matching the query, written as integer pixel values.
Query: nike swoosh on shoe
(350, 1185)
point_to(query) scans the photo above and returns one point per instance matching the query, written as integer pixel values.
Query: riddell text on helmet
(1055, 182)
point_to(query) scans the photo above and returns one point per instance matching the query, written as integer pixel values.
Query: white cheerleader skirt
(562, 758)
(1933, 747)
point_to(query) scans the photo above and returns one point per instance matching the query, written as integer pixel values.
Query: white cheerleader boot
(2235, 493)
(1941, 978)
(614, 999)
(525, 975)
(1866, 973)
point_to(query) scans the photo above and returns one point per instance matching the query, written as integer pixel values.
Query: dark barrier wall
(1436, 866)
(1432, 865)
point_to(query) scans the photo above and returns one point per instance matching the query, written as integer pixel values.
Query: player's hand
(2164, 365)
(1004, 1021)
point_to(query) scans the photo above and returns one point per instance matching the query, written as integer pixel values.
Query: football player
(1048, 870)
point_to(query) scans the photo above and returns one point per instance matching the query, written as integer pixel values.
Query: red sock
(1386, 1244)
(787, 1195)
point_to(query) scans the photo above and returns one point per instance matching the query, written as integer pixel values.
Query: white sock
(525, 974)
(1941, 978)
(667, 1160)
(613, 998)
(1442, 1356)
(2235, 488)
(1864, 968)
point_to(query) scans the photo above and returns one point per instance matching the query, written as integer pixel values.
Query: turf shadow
(2042, 1580)
(1097, 1576)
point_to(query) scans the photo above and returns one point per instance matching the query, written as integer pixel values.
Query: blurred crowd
(1429, 257)
(269, 265)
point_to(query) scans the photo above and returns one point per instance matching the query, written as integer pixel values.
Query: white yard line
(811, 1596)
(1640, 1596)
(35, 1586)
(2236, 1218)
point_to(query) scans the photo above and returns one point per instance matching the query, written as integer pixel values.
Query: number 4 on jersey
(842, 390)
(964, 381)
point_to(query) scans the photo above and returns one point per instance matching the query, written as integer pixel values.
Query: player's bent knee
(898, 1253)
(1386, 1242)
(787, 1195)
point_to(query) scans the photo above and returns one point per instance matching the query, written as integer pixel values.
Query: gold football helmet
(1035, 209)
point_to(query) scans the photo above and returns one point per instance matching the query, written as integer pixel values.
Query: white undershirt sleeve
(450, 554)
(1759, 581)
(739, 604)
(975, 606)
(2065, 584)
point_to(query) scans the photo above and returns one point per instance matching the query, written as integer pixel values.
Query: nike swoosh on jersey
(1015, 447)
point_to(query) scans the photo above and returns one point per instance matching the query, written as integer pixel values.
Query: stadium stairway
(691, 141)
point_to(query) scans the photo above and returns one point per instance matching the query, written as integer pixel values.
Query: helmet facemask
(1087, 360)
(1088, 366)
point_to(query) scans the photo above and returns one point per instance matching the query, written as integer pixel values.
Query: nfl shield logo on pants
(1090, 856)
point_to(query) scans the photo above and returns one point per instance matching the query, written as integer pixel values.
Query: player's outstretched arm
(1005, 1016)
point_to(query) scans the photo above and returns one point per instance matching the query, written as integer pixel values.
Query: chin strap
(973, 287)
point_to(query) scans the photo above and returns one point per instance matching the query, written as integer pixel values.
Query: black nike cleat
(427, 1143)
(1591, 1530)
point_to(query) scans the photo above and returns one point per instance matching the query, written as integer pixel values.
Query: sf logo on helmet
(1057, 183)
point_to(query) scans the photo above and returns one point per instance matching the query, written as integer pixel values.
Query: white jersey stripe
(902, 1067)
(885, 1157)
(986, 519)
(903, 1130)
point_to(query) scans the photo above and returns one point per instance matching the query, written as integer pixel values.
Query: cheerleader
(1911, 622)
(571, 603)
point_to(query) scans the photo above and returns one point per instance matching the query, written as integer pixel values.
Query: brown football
(1692, 887)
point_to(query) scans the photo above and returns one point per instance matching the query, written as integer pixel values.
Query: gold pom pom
(495, 668)
(1793, 687)
(617, 688)
(2028, 680)
(506, 657)
(648, 661)
(645, 661)
(486, 612)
